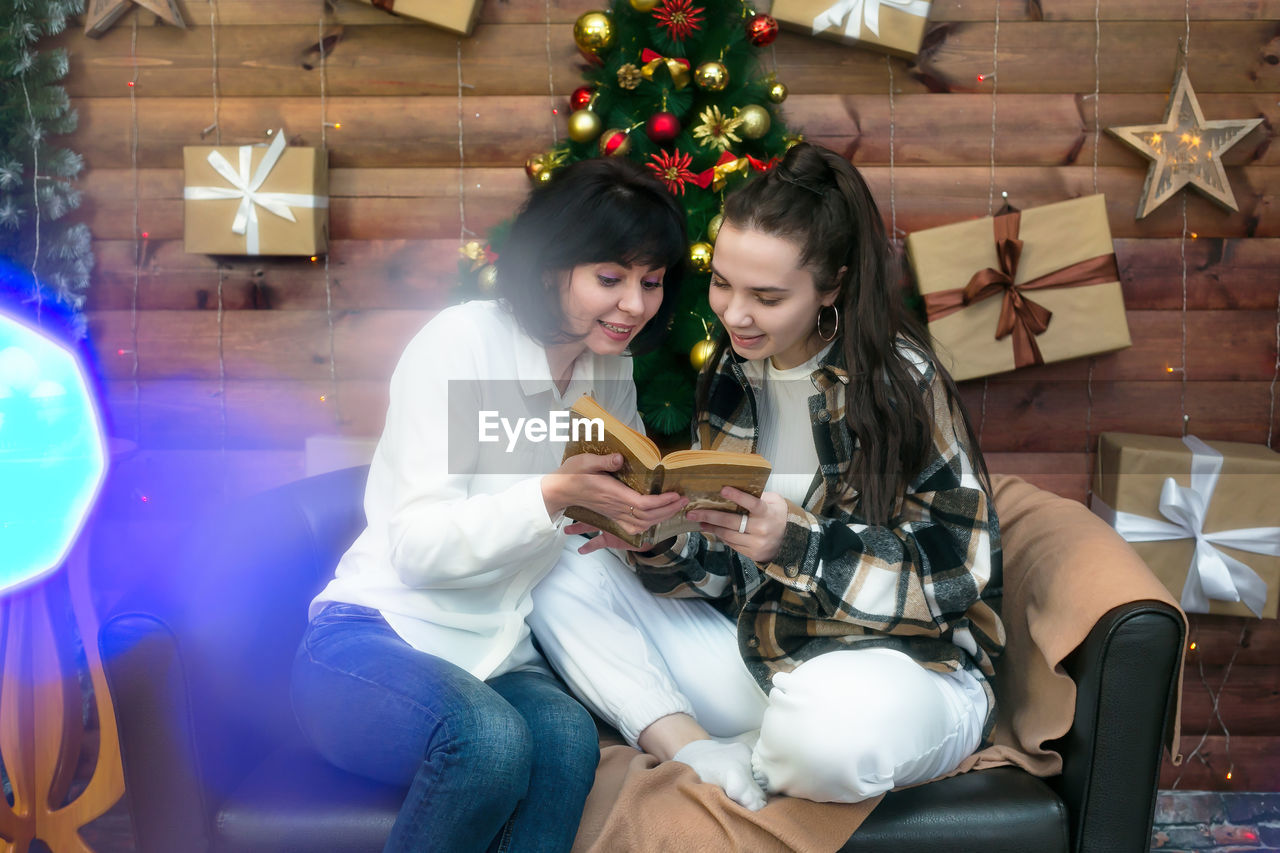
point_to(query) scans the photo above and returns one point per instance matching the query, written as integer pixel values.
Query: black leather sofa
(198, 665)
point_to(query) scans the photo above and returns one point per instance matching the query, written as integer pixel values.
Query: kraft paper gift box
(458, 16)
(256, 199)
(1020, 289)
(889, 26)
(1159, 492)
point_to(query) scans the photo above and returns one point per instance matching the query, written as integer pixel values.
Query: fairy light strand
(1185, 51)
(1182, 254)
(991, 180)
(551, 85)
(995, 85)
(463, 230)
(137, 234)
(222, 274)
(36, 177)
(1097, 133)
(334, 396)
(1215, 697)
(1271, 417)
(893, 200)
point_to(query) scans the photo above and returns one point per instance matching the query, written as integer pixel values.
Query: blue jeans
(503, 765)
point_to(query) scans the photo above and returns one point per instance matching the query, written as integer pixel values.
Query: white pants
(842, 727)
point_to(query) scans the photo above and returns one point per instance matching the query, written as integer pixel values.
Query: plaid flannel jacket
(928, 584)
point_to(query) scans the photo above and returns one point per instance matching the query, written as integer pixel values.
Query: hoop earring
(835, 329)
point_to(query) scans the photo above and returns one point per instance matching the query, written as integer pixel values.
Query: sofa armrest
(1126, 675)
(168, 805)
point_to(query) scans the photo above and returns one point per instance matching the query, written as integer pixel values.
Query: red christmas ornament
(581, 98)
(680, 18)
(662, 127)
(762, 30)
(614, 143)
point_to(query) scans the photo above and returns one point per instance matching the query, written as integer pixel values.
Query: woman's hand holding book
(755, 533)
(586, 480)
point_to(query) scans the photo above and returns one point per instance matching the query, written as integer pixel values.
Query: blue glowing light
(52, 459)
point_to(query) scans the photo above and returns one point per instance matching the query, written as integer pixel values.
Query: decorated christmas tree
(675, 85)
(46, 258)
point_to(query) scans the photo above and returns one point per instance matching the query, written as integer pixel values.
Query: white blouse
(458, 532)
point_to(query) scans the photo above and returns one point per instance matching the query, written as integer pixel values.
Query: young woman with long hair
(860, 591)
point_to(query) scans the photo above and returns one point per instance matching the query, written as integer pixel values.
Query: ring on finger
(632, 510)
(742, 525)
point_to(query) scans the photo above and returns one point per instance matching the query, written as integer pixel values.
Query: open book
(699, 475)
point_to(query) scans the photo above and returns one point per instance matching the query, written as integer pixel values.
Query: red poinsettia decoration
(672, 170)
(679, 17)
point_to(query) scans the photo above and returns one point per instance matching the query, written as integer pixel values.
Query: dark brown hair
(816, 200)
(592, 211)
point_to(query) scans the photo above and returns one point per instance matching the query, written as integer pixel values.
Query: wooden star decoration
(101, 14)
(1185, 149)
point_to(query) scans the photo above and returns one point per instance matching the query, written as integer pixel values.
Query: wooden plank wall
(218, 368)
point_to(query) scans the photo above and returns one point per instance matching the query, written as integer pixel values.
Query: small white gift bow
(1212, 573)
(849, 15)
(245, 187)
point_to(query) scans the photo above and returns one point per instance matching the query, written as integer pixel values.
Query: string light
(1097, 131)
(463, 230)
(137, 245)
(1271, 416)
(328, 283)
(551, 86)
(222, 273)
(893, 200)
(991, 182)
(1215, 698)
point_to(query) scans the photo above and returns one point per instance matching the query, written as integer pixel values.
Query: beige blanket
(1063, 570)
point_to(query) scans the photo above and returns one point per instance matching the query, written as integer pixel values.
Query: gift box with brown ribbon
(1201, 514)
(457, 16)
(889, 26)
(1020, 289)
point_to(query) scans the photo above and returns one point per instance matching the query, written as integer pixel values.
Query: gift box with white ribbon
(269, 199)
(890, 26)
(1203, 515)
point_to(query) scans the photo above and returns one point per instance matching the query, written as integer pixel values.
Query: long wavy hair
(816, 200)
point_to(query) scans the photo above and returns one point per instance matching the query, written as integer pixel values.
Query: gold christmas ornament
(713, 227)
(701, 353)
(712, 76)
(1185, 150)
(791, 140)
(778, 92)
(473, 251)
(593, 32)
(700, 257)
(488, 278)
(629, 76)
(540, 167)
(755, 121)
(584, 126)
(644, 5)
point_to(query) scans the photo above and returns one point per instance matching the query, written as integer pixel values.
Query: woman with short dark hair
(417, 668)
